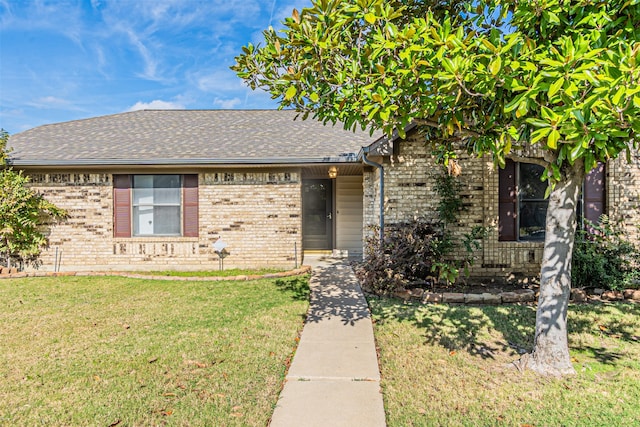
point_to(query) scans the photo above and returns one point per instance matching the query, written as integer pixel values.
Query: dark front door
(317, 211)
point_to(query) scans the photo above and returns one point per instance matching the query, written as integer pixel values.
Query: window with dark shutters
(122, 205)
(512, 219)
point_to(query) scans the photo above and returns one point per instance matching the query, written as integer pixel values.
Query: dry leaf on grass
(196, 363)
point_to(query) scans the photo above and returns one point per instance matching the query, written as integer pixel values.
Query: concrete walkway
(334, 379)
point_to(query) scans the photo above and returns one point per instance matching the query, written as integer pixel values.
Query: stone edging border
(296, 272)
(486, 298)
(518, 296)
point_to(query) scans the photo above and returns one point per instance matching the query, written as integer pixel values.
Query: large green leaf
(555, 87)
(495, 66)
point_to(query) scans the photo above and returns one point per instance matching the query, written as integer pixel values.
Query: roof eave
(380, 147)
(352, 158)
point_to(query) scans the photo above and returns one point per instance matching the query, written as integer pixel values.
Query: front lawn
(451, 366)
(211, 273)
(115, 351)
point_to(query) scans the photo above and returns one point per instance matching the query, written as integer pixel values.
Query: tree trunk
(550, 355)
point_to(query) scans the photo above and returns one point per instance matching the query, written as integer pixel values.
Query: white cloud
(63, 18)
(157, 104)
(150, 62)
(50, 102)
(223, 80)
(227, 104)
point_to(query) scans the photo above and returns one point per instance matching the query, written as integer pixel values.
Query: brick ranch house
(153, 190)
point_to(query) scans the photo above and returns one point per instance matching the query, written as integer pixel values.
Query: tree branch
(524, 159)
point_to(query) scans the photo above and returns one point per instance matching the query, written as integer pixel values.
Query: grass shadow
(602, 317)
(602, 355)
(486, 331)
(463, 327)
(297, 286)
(603, 321)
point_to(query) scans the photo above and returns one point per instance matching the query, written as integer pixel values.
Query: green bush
(602, 258)
(25, 214)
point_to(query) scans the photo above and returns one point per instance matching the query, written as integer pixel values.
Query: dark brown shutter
(507, 202)
(594, 194)
(122, 205)
(190, 205)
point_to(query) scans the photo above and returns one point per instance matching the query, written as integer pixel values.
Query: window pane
(166, 220)
(532, 212)
(142, 220)
(160, 220)
(142, 189)
(143, 181)
(531, 187)
(532, 220)
(143, 196)
(166, 181)
(164, 196)
(167, 189)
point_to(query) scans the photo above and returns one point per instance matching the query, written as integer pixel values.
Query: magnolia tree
(493, 77)
(24, 213)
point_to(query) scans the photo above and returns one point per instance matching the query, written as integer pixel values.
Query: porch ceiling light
(333, 172)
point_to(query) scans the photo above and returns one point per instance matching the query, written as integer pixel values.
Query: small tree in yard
(23, 212)
(491, 76)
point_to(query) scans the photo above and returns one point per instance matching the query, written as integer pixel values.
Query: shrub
(417, 250)
(603, 258)
(409, 252)
(24, 213)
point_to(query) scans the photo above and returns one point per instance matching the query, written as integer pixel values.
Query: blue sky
(64, 60)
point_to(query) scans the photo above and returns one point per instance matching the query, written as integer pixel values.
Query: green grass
(115, 351)
(451, 366)
(212, 273)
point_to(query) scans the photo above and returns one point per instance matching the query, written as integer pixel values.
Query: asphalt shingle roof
(187, 137)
